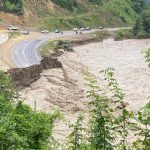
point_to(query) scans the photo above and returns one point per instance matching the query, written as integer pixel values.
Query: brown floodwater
(128, 59)
(64, 88)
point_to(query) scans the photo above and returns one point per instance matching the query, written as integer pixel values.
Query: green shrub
(143, 118)
(147, 56)
(75, 139)
(138, 5)
(14, 34)
(21, 128)
(51, 47)
(100, 35)
(141, 28)
(66, 46)
(68, 4)
(6, 86)
(124, 34)
(12, 6)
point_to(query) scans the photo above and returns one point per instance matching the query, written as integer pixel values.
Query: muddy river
(64, 88)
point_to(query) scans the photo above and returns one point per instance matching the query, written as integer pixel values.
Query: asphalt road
(25, 53)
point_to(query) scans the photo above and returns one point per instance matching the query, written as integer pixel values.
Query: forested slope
(70, 13)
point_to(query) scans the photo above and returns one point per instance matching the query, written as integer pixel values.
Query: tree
(138, 5)
(6, 86)
(146, 21)
(12, 6)
(142, 128)
(142, 26)
(9, 6)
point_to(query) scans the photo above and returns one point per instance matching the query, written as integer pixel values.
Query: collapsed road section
(25, 76)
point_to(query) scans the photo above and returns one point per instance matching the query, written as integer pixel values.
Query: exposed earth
(64, 89)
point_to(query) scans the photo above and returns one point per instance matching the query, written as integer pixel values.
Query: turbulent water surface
(127, 57)
(64, 88)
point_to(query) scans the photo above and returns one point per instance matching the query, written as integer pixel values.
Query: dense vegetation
(108, 13)
(141, 28)
(72, 4)
(95, 13)
(12, 6)
(77, 13)
(67, 4)
(138, 5)
(22, 128)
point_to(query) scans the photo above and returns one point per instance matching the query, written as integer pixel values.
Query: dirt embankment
(25, 76)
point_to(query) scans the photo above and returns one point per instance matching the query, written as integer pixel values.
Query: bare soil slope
(10, 19)
(33, 10)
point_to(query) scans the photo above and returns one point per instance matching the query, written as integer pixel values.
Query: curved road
(25, 54)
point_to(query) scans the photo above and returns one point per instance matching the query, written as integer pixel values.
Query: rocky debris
(25, 76)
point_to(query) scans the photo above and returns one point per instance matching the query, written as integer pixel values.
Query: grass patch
(111, 14)
(52, 46)
(124, 34)
(14, 34)
(99, 35)
(48, 49)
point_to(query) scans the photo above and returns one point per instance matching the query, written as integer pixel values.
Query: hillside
(54, 13)
(85, 14)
